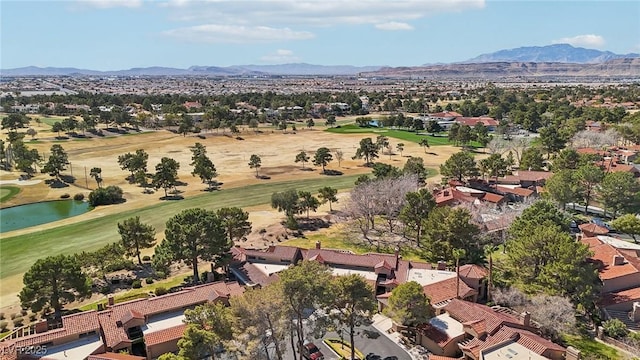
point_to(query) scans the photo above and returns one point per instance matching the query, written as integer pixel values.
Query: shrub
(136, 284)
(146, 258)
(78, 197)
(106, 196)
(65, 196)
(18, 321)
(105, 289)
(615, 328)
(161, 274)
(3, 325)
(160, 290)
(148, 280)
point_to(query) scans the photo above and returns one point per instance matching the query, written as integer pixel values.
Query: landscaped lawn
(592, 348)
(8, 192)
(20, 252)
(51, 119)
(394, 133)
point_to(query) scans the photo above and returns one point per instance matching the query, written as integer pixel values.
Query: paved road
(379, 347)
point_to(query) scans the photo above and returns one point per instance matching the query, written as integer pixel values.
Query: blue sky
(121, 34)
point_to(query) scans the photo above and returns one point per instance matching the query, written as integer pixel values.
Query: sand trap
(19, 182)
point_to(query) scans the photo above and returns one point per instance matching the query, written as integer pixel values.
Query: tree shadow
(306, 169)
(333, 172)
(56, 183)
(172, 197)
(431, 153)
(68, 179)
(263, 177)
(312, 224)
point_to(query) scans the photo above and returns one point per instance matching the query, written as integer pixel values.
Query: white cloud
(107, 4)
(588, 40)
(215, 33)
(280, 56)
(394, 26)
(314, 12)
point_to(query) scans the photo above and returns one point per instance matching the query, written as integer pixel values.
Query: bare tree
(518, 145)
(498, 145)
(594, 139)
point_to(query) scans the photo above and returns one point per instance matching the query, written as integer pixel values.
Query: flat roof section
(447, 325)
(509, 350)
(163, 321)
(79, 349)
(269, 269)
(427, 277)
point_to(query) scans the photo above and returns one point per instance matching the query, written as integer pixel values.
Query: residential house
(452, 195)
(490, 123)
(480, 332)
(526, 178)
(192, 105)
(146, 328)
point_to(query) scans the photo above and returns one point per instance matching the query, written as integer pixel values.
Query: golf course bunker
(24, 216)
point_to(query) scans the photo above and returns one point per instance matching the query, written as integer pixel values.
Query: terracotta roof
(591, 151)
(165, 335)
(115, 356)
(603, 256)
(613, 167)
(529, 340)
(445, 114)
(382, 264)
(433, 333)
(252, 273)
(130, 315)
(446, 290)
(465, 311)
(73, 324)
(114, 334)
(516, 191)
(621, 297)
(492, 198)
(472, 121)
(592, 228)
(479, 326)
(473, 271)
(526, 175)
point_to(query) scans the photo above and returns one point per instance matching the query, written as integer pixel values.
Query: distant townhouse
(490, 123)
(26, 109)
(192, 105)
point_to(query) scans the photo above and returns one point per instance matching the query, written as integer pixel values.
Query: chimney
(442, 265)
(111, 301)
(572, 354)
(525, 318)
(618, 260)
(318, 245)
(578, 237)
(397, 254)
(635, 313)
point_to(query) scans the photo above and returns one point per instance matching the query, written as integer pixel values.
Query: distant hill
(237, 70)
(618, 68)
(562, 53)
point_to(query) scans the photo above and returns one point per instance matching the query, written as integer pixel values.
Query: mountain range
(550, 55)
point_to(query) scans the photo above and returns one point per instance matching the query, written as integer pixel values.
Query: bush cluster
(136, 284)
(161, 291)
(106, 196)
(78, 197)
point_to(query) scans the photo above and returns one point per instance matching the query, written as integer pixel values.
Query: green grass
(395, 133)
(18, 253)
(51, 119)
(592, 348)
(8, 192)
(140, 293)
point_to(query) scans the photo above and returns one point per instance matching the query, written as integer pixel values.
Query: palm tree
(424, 142)
(488, 253)
(458, 254)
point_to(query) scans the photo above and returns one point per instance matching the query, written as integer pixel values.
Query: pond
(24, 216)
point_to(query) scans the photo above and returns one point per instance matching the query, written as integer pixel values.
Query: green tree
(627, 224)
(302, 157)
(195, 234)
(53, 281)
(446, 229)
(57, 127)
(287, 202)
(540, 212)
(531, 159)
(136, 235)
(385, 171)
(25, 158)
(424, 142)
(253, 124)
(214, 317)
(322, 158)
(367, 150)
(495, 165)
(489, 249)
(620, 192)
(543, 257)
(32, 132)
(458, 254)
(202, 165)
(459, 166)
(408, 305)
(57, 161)
(328, 194)
(352, 303)
(566, 159)
(433, 127)
(588, 178)
(615, 328)
(134, 162)
(415, 165)
(197, 343)
(416, 209)
(331, 120)
(307, 202)
(310, 123)
(305, 286)
(552, 140)
(255, 163)
(166, 175)
(96, 174)
(481, 134)
(561, 186)
(235, 222)
(13, 122)
(400, 148)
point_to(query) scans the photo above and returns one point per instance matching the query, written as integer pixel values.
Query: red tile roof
(593, 229)
(492, 198)
(446, 290)
(603, 256)
(473, 271)
(472, 121)
(621, 297)
(529, 340)
(516, 191)
(433, 333)
(526, 175)
(613, 167)
(465, 311)
(166, 335)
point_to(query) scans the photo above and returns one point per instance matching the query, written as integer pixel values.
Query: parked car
(310, 351)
